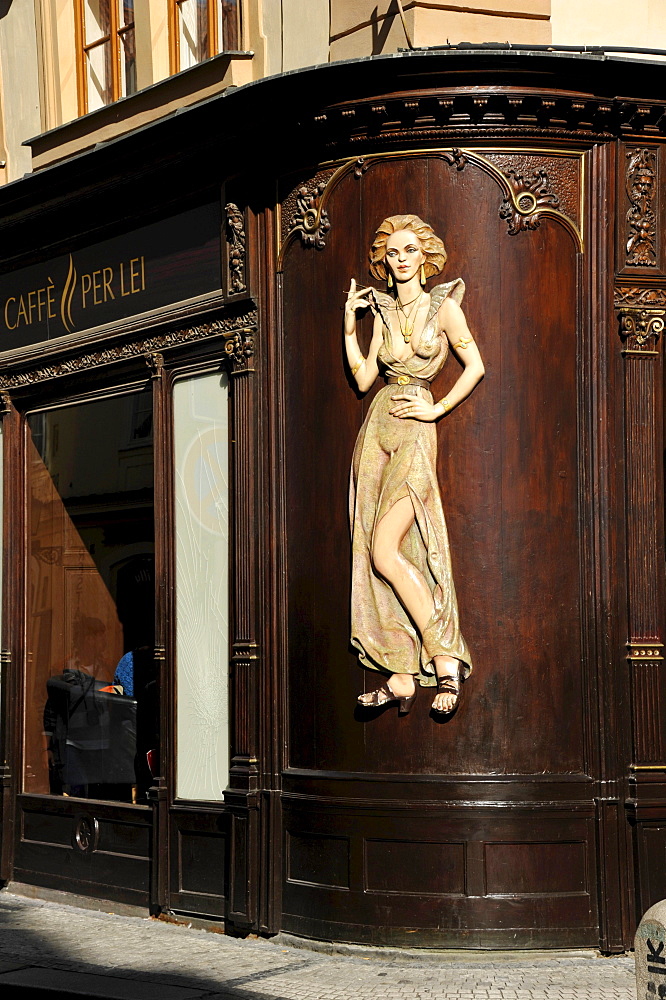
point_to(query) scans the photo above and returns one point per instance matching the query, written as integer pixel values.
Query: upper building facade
(90, 70)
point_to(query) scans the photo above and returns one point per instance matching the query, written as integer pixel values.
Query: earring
(389, 280)
(423, 275)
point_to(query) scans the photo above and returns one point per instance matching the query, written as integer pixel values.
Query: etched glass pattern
(202, 585)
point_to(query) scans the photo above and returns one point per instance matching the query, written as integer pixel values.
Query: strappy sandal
(449, 684)
(376, 701)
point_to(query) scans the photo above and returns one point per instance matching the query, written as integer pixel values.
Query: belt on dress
(407, 380)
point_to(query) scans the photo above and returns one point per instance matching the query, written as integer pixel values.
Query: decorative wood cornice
(237, 329)
(436, 116)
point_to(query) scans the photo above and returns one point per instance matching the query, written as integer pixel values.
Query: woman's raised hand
(356, 299)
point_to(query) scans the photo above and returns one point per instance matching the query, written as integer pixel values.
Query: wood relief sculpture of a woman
(404, 610)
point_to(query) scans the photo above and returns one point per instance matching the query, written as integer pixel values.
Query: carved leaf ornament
(236, 244)
(527, 200)
(641, 182)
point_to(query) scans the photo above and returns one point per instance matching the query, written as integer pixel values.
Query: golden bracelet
(357, 365)
(445, 403)
(462, 344)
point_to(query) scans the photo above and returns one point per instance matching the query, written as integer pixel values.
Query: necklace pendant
(407, 334)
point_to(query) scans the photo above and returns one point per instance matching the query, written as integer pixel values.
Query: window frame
(216, 45)
(114, 37)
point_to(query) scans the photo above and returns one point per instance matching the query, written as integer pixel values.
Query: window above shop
(199, 29)
(106, 52)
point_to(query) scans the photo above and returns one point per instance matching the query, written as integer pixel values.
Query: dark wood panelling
(509, 472)
(652, 864)
(318, 860)
(532, 868)
(469, 873)
(118, 864)
(414, 867)
(202, 863)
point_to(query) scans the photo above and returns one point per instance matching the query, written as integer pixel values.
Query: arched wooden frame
(525, 203)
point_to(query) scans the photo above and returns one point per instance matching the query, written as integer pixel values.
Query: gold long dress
(396, 457)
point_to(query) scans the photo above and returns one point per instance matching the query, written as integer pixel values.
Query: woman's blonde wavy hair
(432, 246)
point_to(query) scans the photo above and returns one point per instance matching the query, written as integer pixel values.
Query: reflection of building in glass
(92, 544)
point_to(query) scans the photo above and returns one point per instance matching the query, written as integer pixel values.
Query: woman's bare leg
(411, 588)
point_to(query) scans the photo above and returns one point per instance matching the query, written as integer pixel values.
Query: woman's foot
(399, 687)
(449, 685)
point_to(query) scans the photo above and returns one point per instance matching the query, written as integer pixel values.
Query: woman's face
(404, 255)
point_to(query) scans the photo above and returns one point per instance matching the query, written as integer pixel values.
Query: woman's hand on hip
(414, 408)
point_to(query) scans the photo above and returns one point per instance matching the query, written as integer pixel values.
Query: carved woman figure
(404, 610)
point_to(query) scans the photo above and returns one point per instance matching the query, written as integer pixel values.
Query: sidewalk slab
(86, 985)
(51, 949)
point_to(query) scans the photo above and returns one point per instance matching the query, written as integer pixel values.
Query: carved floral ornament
(527, 199)
(237, 331)
(641, 184)
(236, 248)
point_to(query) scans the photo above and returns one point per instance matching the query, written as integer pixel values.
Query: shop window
(92, 693)
(106, 52)
(201, 29)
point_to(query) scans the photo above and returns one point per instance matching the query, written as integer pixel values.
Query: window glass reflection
(92, 693)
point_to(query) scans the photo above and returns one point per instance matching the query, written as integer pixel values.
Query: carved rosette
(235, 248)
(529, 197)
(310, 221)
(239, 349)
(641, 231)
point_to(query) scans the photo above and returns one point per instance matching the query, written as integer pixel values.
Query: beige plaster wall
(369, 27)
(305, 26)
(66, 59)
(435, 27)
(151, 30)
(641, 23)
(366, 28)
(21, 117)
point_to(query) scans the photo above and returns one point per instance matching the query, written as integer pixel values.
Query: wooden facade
(536, 817)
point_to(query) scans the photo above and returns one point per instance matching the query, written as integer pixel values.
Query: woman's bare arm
(364, 370)
(454, 324)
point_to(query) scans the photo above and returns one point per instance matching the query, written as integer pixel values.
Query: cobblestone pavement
(90, 953)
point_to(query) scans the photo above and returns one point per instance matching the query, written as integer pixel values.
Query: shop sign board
(168, 261)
